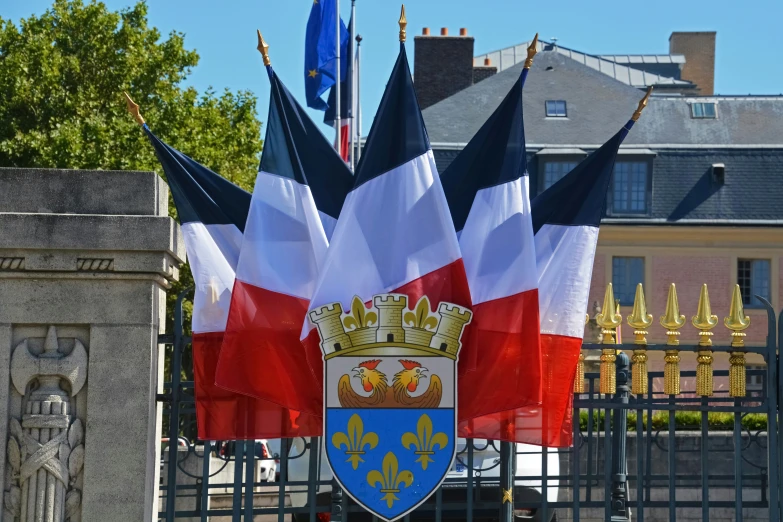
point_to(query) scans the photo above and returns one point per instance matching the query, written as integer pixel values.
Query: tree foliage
(62, 75)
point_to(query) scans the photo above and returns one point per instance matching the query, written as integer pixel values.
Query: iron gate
(645, 456)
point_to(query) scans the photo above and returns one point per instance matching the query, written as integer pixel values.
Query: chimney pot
(444, 31)
(463, 31)
(425, 31)
(487, 62)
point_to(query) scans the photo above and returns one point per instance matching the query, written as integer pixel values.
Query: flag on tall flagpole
(566, 218)
(488, 192)
(212, 212)
(395, 233)
(281, 256)
(321, 52)
(346, 104)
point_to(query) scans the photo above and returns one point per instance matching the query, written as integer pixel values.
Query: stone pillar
(85, 260)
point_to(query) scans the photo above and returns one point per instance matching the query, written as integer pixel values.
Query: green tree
(62, 75)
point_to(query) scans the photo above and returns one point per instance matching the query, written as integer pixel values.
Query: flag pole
(532, 49)
(353, 87)
(358, 98)
(337, 112)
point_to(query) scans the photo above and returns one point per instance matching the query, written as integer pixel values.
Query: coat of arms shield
(390, 398)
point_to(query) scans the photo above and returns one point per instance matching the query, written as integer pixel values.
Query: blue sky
(749, 37)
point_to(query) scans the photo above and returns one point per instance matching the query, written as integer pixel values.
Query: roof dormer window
(703, 110)
(556, 109)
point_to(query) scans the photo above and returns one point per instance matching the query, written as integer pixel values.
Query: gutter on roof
(691, 222)
(630, 147)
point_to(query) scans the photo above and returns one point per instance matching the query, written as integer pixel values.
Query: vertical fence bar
(506, 482)
(772, 421)
(469, 515)
(239, 451)
(313, 476)
(439, 503)
(737, 462)
(672, 462)
(640, 441)
(544, 483)
(176, 367)
(575, 455)
(337, 502)
(705, 468)
(648, 445)
(607, 465)
(589, 439)
(619, 438)
(281, 484)
(204, 505)
(250, 475)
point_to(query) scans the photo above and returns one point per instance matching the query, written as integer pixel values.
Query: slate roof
(597, 107)
(747, 136)
(610, 65)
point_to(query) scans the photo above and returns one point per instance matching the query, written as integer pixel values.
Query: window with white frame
(627, 272)
(703, 110)
(556, 109)
(753, 278)
(629, 187)
(554, 170)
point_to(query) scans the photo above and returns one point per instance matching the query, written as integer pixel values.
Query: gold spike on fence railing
(704, 321)
(640, 321)
(608, 320)
(579, 379)
(737, 321)
(672, 320)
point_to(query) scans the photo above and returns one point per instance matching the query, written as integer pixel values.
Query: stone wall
(85, 259)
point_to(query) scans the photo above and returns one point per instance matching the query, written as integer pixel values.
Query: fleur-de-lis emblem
(390, 480)
(425, 441)
(420, 317)
(355, 440)
(360, 317)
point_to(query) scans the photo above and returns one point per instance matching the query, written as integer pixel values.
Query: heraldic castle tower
(366, 332)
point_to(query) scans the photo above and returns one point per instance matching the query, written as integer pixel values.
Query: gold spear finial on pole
(642, 104)
(263, 48)
(608, 320)
(133, 108)
(403, 24)
(532, 49)
(672, 320)
(736, 322)
(704, 321)
(640, 321)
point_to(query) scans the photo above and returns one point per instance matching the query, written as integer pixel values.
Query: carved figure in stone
(46, 450)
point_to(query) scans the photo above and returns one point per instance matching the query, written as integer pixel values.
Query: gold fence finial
(672, 320)
(640, 321)
(579, 380)
(403, 24)
(133, 108)
(704, 321)
(608, 320)
(642, 104)
(532, 49)
(263, 48)
(737, 321)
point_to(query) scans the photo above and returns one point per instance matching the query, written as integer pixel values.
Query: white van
(486, 463)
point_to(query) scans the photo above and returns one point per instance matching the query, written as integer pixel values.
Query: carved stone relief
(45, 451)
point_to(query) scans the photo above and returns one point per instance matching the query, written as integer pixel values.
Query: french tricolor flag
(488, 192)
(395, 232)
(213, 212)
(566, 217)
(299, 192)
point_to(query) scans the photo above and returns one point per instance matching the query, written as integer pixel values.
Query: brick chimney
(443, 65)
(484, 72)
(699, 51)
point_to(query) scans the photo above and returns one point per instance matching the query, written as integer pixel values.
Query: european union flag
(320, 52)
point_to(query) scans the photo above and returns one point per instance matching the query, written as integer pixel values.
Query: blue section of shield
(380, 455)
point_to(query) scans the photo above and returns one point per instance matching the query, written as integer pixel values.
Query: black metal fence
(633, 458)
